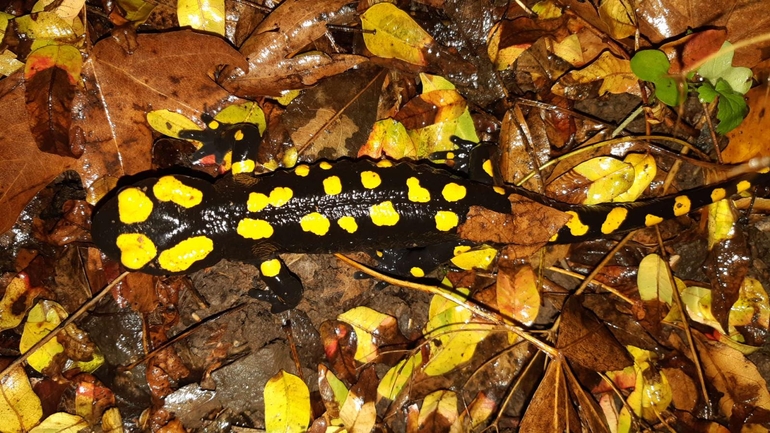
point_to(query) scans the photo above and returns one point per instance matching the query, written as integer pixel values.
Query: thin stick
(76, 315)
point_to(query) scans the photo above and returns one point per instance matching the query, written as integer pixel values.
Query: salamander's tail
(596, 221)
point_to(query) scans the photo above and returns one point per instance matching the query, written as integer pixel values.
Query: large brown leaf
(122, 82)
(272, 50)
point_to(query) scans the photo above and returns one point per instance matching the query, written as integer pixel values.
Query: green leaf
(667, 91)
(650, 65)
(707, 93)
(731, 109)
(721, 66)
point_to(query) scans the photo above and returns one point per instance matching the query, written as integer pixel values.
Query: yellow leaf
(653, 280)
(398, 376)
(68, 10)
(8, 63)
(752, 307)
(204, 15)
(45, 25)
(65, 57)
(652, 393)
(357, 414)
(697, 300)
(287, 404)
(475, 259)
(619, 17)
(547, 9)
(721, 222)
(18, 299)
(170, 123)
(61, 422)
(20, 408)
(645, 169)
(42, 319)
(570, 50)
(366, 323)
(434, 82)
(249, 112)
(609, 176)
(112, 422)
(614, 74)
(388, 137)
(395, 34)
(442, 403)
(453, 339)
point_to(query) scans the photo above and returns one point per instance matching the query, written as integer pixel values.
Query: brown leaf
(274, 64)
(588, 409)
(340, 344)
(726, 266)
(686, 51)
(743, 19)
(550, 409)
(49, 97)
(746, 141)
(430, 108)
(24, 169)
(154, 71)
(529, 223)
(586, 341)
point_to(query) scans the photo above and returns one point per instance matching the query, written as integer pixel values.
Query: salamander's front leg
(284, 288)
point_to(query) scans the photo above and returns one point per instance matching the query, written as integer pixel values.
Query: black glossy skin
(224, 205)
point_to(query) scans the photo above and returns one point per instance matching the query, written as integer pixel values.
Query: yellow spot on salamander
(169, 188)
(743, 185)
(254, 229)
(681, 205)
(348, 223)
(416, 193)
(379, 253)
(450, 155)
(614, 219)
(461, 249)
(453, 192)
(238, 136)
(213, 125)
(302, 170)
(332, 185)
(487, 167)
(718, 194)
(270, 268)
(384, 163)
(133, 206)
(651, 220)
(446, 220)
(383, 214)
(136, 250)
(370, 179)
(417, 272)
(498, 189)
(181, 256)
(576, 227)
(554, 237)
(257, 201)
(315, 223)
(280, 195)
(325, 165)
(245, 166)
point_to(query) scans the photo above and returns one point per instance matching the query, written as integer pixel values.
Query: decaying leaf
(607, 74)
(288, 409)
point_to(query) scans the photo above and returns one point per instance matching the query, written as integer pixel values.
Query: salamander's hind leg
(284, 288)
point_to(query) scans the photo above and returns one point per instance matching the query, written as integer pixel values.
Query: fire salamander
(179, 224)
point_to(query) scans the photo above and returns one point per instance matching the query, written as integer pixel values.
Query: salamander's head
(155, 225)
